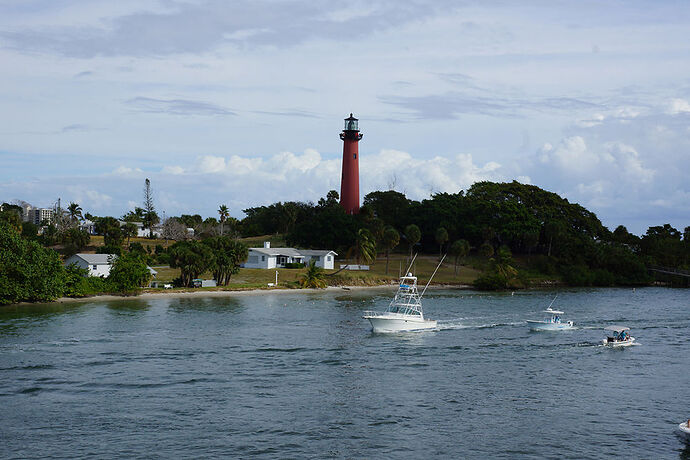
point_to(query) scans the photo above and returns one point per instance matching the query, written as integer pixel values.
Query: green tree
(129, 230)
(314, 277)
(129, 273)
(28, 271)
(150, 216)
(553, 230)
(75, 213)
(441, 239)
(192, 258)
(486, 249)
(224, 213)
(12, 218)
(364, 247)
(390, 239)
(75, 240)
(412, 234)
(228, 254)
(459, 249)
(110, 228)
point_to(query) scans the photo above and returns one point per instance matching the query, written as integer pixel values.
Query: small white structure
(143, 232)
(89, 226)
(354, 267)
(268, 257)
(96, 264)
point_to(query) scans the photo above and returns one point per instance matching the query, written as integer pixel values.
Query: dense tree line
(556, 236)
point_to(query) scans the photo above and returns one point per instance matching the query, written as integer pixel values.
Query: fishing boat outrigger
(552, 323)
(618, 336)
(404, 313)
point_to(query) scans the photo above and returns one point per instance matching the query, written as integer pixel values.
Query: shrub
(129, 273)
(28, 271)
(490, 282)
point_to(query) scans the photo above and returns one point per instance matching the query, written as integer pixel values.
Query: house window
(317, 258)
(95, 267)
(328, 258)
(263, 258)
(354, 155)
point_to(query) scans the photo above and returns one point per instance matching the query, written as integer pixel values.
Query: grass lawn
(424, 267)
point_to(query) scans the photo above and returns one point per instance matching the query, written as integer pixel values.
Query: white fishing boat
(404, 313)
(618, 336)
(684, 429)
(553, 321)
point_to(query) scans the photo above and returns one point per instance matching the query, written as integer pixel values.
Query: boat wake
(458, 324)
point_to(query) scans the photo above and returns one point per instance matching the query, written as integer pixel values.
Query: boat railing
(402, 313)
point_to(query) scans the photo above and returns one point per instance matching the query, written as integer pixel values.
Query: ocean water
(297, 375)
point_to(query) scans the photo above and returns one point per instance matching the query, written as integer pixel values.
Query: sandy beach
(230, 293)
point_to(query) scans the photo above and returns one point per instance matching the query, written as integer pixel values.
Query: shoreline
(224, 293)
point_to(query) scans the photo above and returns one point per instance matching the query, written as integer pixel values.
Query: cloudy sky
(241, 102)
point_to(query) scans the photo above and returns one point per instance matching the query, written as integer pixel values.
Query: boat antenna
(410, 267)
(554, 299)
(432, 275)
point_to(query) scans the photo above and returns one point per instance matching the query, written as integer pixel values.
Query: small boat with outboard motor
(553, 321)
(404, 313)
(618, 336)
(684, 430)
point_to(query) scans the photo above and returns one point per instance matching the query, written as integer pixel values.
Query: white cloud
(211, 164)
(172, 170)
(126, 171)
(676, 106)
(88, 198)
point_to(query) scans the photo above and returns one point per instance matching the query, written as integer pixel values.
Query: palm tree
(75, 212)
(224, 212)
(412, 234)
(459, 249)
(441, 239)
(391, 238)
(129, 230)
(313, 277)
(364, 247)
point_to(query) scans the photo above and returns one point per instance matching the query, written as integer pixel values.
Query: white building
(268, 257)
(88, 226)
(96, 264)
(39, 215)
(141, 231)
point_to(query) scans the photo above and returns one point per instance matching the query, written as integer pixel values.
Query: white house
(268, 257)
(96, 264)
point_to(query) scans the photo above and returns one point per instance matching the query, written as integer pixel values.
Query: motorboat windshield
(407, 300)
(618, 333)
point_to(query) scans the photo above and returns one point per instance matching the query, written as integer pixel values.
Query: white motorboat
(405, 312)
(553, 321)
(684, 429)
(618, 336)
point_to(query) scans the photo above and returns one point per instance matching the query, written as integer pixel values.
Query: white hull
(625, 343)
(548, 326)
(399, 323)
(684, 430)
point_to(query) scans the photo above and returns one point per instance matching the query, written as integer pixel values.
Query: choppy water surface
(300, 375)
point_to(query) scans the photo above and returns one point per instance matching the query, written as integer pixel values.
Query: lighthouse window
(354, 156)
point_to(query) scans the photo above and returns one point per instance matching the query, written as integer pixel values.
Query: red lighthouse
(349, 185)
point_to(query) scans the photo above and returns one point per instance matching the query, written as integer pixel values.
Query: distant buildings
(268, 257)
(39, 215)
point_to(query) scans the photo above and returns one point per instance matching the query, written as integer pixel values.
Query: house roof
(292, 252)
(316, 252)
(96, 259)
